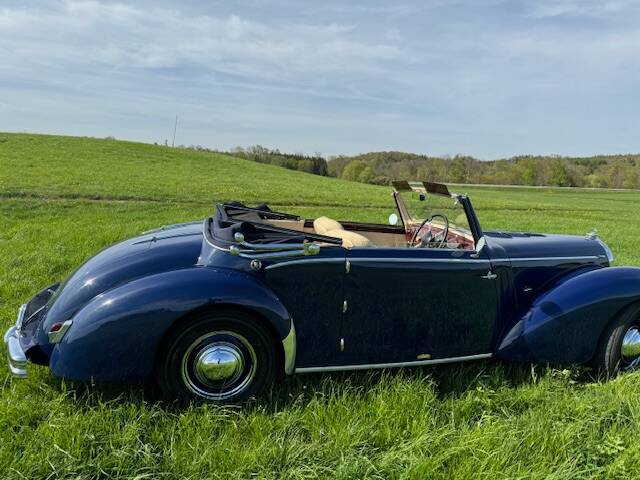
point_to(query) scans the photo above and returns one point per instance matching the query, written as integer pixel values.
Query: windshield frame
(438, 189)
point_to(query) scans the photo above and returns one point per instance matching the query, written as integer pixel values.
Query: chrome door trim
(373, 366)
(546, 259)
(415, 260)
(305, 260)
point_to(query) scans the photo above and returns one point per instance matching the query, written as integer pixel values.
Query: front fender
(115, 336)
(564, 324)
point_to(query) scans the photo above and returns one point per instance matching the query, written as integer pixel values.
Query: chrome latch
(490, 275)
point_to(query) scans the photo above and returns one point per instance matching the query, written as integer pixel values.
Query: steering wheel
(444, 233)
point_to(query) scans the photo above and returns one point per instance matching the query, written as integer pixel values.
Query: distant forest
(602, 171)
(292, 161)
(611, 171)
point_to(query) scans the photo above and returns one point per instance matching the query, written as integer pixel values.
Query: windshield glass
(423, 205)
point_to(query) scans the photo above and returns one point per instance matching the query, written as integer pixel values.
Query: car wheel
(220, 357)
(619, 349)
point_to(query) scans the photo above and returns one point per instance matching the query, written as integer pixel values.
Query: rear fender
(564, 325)
(115, 336)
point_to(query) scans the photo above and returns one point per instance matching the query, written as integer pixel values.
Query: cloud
(578, 8)
(436, 76)
(90, 32)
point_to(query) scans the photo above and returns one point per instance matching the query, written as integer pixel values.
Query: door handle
(489, 276)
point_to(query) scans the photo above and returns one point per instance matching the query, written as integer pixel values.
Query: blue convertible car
(218, 310)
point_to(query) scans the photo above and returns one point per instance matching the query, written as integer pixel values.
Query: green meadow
(62, 199)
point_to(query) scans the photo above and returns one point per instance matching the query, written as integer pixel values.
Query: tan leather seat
(350, 239)
(324, 224)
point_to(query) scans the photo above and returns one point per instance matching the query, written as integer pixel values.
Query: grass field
(62, 199)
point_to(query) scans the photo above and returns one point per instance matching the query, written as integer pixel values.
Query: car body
(217, 310)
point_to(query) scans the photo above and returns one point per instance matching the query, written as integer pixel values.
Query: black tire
(619, 348)
(224, 356)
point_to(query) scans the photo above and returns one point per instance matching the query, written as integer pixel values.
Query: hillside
(62, 199)
(72, 167)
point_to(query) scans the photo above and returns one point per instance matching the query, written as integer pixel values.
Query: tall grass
(62, 199)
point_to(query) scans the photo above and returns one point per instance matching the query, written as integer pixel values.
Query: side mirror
(393, 219)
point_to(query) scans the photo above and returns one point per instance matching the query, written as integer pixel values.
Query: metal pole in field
(175, 127)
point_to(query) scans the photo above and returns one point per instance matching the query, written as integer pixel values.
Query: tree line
(293, 161)
(599, 171)
(610, 171)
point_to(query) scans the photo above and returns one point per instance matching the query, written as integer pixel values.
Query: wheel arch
(115, 337)
(189, 316)
(566, 323)
(613, 319)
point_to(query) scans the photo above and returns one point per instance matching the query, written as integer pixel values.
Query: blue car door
(415, 304)
(312, 290)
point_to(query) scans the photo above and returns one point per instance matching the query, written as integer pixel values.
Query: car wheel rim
(630, 349)
(219, 365)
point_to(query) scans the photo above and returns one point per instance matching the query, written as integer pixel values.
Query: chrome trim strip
(15, 355)
(430, 260)
(416, 260)
(216, 247)
(372, 366)
(164, 228)
(607, 251)
(469, 260)
(205, 234)
(305, 260)
(289, 347)
(547, 259)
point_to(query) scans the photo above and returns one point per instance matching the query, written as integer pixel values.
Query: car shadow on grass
(442, 381)
(447, 380)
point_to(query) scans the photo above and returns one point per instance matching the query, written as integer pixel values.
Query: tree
(559, 174)
(353, 170)
(458, 170)
(528, 171)
(366, 176)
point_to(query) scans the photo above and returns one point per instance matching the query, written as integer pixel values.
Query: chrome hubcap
(630, 350)
(219, 365)
(220, 361)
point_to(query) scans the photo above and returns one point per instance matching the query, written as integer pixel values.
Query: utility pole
(175, 127)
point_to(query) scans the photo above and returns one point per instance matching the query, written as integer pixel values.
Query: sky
(488, 78)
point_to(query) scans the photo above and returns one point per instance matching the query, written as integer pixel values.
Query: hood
(538, 261)
(167, 248)
(518, 245)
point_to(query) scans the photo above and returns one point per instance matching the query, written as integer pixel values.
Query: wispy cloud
(90, 32)
(487, 77)
(580, 8)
